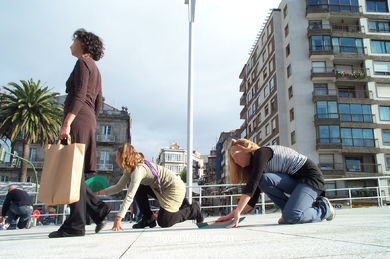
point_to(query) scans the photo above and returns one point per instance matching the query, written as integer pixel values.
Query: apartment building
(318, 80)
(175, 159)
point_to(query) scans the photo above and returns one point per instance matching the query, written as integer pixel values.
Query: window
(357, 137)
(378, 6)
(266, 91)
(266, 110)
(106, 130)
(344, 5)
(4, 178)
(33, 154)
(355, 112)
(173, 157)
(293, 137)
(320, 43)
(290, 92)
(326, 161)
(379, 26)
(315, 24)
(271, 46)
(327, 110)
(382, 68)
(267, 130)
(387, 158)
(271, 84)
(288, 50)
(384, 113)
(270, 28)
(347, 45)
(104, 157)
(286, 31)
(383, 90)
(329, 134)
(285, 11)
(271, 65)
(320, 89)
(273, 105)
(318, 66)
(378, 46)
(275, 141)
(265, 73)
(353, 164)
(289, 70)
(273, 124)
(292, 114)
(386, 137)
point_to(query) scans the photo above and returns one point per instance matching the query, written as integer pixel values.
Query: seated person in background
(17, 205)
(147, 178)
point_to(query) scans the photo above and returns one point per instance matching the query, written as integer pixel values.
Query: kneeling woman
(291, 180)
(145, 179)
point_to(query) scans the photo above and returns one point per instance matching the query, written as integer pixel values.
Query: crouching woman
(145, 179)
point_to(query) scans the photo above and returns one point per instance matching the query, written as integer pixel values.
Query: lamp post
(190, 113)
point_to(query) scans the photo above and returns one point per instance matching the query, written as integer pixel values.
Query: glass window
(315, 24)
(327, 110)
(104, 157)
(326, 161)
(33, 154)
(289, 70)
(386, 137)
(384, 113)
(320, 89)
(379, 6)
(355, 112)
(318, 66)
(353, 164)
(347, 45)
(357, 137)
(320, 43)
(293, 138)
(378, 26)
(106, 130)
(383, 90)
(381, 68)
(387, 159)
(329, 134)
(378, 46)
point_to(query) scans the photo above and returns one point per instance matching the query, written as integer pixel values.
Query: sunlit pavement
(354, 233)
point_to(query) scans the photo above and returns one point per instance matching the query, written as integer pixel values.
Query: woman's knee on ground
(164, 223)
(292, 216)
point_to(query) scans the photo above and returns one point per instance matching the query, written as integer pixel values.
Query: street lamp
(190, 113)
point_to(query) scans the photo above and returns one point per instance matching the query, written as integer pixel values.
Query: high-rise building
(318, 80)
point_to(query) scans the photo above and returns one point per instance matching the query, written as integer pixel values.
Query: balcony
(345, 117)
(342, 29)
(37, 164)
(243, 113)
(242, 85)
(339, 50)
(351, 145)
(243, 99)
(343, 168)
(323, 94)
(353, 75)
(105, 167)
(324, 10)
(105, 138)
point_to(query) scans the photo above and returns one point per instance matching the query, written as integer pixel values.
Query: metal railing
(338, 49)
(349, 142)
(105, 138)
(104, 167)
(315, 8)
(336, 27)
(352, 168)
(348, 117)
(343, 93)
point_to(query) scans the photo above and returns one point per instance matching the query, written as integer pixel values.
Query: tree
(183, 175)
(31, 112)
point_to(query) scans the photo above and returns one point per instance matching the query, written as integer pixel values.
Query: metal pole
(191, 13)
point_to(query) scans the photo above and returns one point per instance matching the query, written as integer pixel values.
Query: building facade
(175, 159)
(113, 130)
(318, 80)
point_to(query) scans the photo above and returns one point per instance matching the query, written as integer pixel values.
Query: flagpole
(190, 112)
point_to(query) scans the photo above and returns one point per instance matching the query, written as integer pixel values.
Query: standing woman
(81, 108)
(148, 179)
(277, 171)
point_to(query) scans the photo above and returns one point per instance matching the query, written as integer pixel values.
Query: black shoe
(11, 227)
(197, 213)
(145, 223)
(100, 226)
(103, 223)
(60, 233)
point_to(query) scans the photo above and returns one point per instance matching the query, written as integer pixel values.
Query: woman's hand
(224, 218)
(64, 132)
(236, 218)
(117, 224)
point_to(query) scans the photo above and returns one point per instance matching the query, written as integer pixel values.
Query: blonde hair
(239, 174)
(128, 158)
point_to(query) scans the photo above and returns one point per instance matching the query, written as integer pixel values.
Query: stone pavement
(354, 233)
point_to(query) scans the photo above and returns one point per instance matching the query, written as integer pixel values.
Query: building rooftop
(354, 233)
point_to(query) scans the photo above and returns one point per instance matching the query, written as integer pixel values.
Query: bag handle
(68, 141)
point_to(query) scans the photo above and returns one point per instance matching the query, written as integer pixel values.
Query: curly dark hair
(90, 43)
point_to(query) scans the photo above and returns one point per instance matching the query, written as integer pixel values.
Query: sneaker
(11, 227)
(151, 223)
(100, 225)
(281, 221)
(332, 212)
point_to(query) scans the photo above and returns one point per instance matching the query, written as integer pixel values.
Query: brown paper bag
(61, 174)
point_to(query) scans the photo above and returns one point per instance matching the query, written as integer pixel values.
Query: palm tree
(30, 111)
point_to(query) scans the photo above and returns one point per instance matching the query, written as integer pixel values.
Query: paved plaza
(354, 233)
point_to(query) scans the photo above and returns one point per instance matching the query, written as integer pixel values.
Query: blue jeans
(23, 213)
(300, 206)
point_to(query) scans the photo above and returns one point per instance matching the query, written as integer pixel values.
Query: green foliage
(29, 110)
(183, 175)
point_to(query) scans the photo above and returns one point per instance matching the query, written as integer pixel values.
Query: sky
(145, 66)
